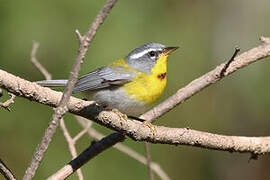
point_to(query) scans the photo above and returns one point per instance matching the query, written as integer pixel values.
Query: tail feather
(53, 83)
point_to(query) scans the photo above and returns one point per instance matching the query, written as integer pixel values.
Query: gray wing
(102, 78)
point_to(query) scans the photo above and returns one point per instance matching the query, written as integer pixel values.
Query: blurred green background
(207, 32)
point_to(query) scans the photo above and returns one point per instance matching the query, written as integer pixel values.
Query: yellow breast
(148, 88)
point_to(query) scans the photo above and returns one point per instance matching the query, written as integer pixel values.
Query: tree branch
(225, 67)
(209, 78)
(94, 149)
(62, 108)
(148, 161)
(71, 145)
(71, 142)
(124, 149)
(8, 102)
(6, 172)
(39, 66)
(139, 132)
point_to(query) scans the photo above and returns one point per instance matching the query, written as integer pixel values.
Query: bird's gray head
(144, 58)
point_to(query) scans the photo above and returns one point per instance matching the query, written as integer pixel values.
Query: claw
(123, 117)
(151, 127)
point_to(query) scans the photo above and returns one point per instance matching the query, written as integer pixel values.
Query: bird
(131, 84)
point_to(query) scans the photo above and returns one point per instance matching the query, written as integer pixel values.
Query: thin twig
(223, 70)
(71, 145)
(208, 79)
(154, 166)
(148, 161)
(139, 132)
(71, 142)
(8, 102)
(94, 149)
(34, 60)
(6, 172)
(184, 134)
(67, 170)
(124, 149)
(133, 154)
(61, 109)
(83, 132)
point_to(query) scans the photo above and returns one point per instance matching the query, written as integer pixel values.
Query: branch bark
(125, 149)
(208, 79)
(39, 66)
(6, 172)
(61, 108)
(148, 161)
(139, 132)
(71, 146)
(94, 149)
(8, 102)
(71, 142)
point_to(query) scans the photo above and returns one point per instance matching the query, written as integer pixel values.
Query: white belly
(117, 98)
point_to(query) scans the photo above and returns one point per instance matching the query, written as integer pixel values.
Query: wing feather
(102, 78)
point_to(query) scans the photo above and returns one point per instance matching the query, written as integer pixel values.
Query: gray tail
(53, 83)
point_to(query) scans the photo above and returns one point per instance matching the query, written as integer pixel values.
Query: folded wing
(100, 78)
(103, 78)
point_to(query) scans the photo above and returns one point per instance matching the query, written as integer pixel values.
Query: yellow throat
(147, 88)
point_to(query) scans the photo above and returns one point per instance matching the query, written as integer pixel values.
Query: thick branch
(137, 131)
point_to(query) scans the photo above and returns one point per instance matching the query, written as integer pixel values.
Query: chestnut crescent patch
(161, 76)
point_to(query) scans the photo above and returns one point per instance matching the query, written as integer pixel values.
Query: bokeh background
(207, 31)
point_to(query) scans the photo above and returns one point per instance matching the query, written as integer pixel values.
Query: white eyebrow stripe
(140, 54)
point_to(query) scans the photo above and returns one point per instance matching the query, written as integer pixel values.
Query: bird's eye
(152, 53)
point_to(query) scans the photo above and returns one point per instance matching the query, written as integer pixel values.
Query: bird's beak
(169, 50)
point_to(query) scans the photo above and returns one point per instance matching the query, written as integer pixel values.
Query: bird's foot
(151, 127)
(145, 122)
(123, 117)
